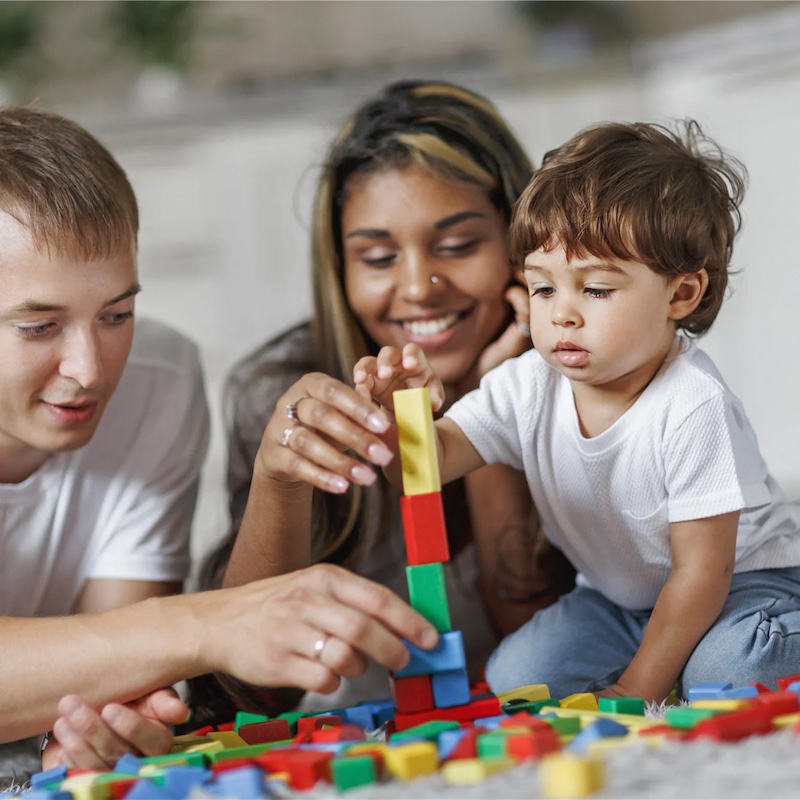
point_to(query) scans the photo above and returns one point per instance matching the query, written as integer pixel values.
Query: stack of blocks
(435, 679)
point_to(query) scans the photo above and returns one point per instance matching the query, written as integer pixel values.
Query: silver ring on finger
(287, 434)
(319, 646)
(291, 409)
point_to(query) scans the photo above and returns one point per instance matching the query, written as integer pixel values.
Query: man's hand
(86, 739)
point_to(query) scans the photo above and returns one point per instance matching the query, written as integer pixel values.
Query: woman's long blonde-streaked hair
(457, 135)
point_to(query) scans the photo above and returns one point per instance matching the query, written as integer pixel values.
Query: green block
(563, 726)
(428, 594)
(427, 730)
(293, 716)
(351, 771)
(251, 751)
(687, 717)
(246, 718)
(622, 705)
(531, 706)
(493, 745)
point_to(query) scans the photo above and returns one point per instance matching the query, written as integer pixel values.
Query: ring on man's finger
(319, 646)
(291, 409)
(287, 434)
(523, 327)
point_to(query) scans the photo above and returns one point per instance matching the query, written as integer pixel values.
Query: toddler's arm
(379, 376)
(703, 555)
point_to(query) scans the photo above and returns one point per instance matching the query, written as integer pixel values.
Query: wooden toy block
(424, 528)
(181, 743)
(779, 703)
(632, 721)
(250, 752)
(450, 688)
(600, 729)
(566, 775)
(530, 693)
(471, 771)
(179, 781)
(228, 739)
(688, 716)
(584, 700)
(226, 726)
(719, 705)
(621, 705)
(243, 782)
(304, 767)
(466, 745)
(247, 718)
(273, 730)
(707, 691)
(761, 688)
(351, 771)
(428, 595)
(409, 761)
(531, 707)
(307, 725)
(412, 694)
(783, 683)
(735, 725)
(475, 709)
(232, 763)
(563, 726)
(525, 721)
(532, 745)
(338, 733)
(430, 731)
(446, 655)
(739, 693)
(209, 747)
(493, 744)
(418, 453)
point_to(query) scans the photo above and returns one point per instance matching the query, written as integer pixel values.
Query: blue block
(325, 747)
(360, 716)
(490, 723)
(145, 789)
(708, 691)
(450, 688)
(794, 686)
(448, 740)
(740, 693)
(243, 782)
(180, 780)
(447, 655)
(129, 764)
(600, 729)
(49, 776)
(45, 794)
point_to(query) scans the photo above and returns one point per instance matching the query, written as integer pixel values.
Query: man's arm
(703, 557)
(104, 594)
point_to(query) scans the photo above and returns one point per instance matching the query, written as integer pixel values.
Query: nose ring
(435, 279)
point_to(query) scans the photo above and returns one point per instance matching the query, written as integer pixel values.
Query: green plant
(160, 32)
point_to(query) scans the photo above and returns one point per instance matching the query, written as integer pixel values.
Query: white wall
(225, 211)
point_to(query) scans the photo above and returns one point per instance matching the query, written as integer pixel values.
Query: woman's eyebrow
(369, 233)
(453, 219)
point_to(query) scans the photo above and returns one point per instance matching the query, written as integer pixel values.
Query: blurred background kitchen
(221, 111)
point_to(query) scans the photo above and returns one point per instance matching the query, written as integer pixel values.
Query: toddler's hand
(379, 376)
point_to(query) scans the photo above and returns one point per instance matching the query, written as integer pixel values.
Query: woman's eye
(458, 248)
(379, 259)
(593, 291)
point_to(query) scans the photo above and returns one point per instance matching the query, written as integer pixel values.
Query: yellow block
(531, 693)
(719, 705)
(209, 747)
(180, 743)
(228, 738)
(566, 775)
(585, 700)
(469, 771)
(82, 787)
(784, 720)
(409, 761)
(418, 455)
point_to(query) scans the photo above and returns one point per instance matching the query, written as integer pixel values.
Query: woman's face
(426, 261)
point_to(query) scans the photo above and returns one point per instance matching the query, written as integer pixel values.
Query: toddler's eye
(593, 291)
(544, 291)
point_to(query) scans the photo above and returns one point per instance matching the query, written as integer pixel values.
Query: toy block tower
(435, 678)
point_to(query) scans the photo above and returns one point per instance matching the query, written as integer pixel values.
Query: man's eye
(32, 331)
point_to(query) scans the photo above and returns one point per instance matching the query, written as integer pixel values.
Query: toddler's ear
(688, 289)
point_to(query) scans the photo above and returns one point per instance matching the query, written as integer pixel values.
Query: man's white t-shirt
(685, 450)
(121, 507)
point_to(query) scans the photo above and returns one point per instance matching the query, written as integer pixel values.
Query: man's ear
(688, 289)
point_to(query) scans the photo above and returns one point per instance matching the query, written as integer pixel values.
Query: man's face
(66, 328)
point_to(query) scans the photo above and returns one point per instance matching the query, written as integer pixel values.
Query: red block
(424, 528)
(734, 725)
(761, 688)
(467, 746)
(232, 763)
(310, 724)
(339, 733)
(522, 719)
(304, 767)
(274, 730)
(202, 731)
(121, 787)
(778, 703)
(412, 694)
(226, 726)
(783, 683)
(485, 707)
(533, 745)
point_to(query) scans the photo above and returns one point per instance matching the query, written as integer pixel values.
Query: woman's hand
(308, 628)
(314, 424)
(87, 739)
(513, 341)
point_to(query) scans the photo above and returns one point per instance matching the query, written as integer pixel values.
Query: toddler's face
(598, 321)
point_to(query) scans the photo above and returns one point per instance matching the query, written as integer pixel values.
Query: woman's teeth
(430, 327)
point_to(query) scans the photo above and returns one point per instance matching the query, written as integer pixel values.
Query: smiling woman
(409, 245)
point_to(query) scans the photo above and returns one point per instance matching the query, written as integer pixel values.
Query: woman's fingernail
(363, 475)
(338, 485)
(380, 454)
(378, 423)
